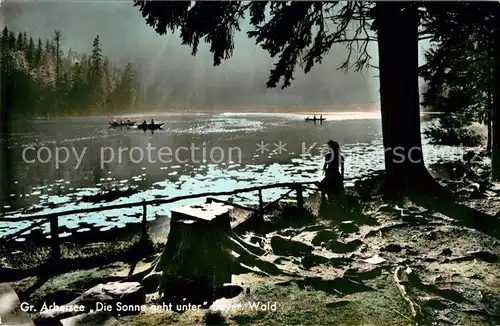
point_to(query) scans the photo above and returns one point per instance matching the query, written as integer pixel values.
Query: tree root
(414, 308)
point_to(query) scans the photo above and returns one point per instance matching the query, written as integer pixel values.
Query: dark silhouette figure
(152, 122)
(333, 169)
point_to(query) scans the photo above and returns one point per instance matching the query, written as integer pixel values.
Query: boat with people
(315, 119)
(150, 126)
(127, 123)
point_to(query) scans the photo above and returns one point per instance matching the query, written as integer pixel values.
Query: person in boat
(314, 118)
(321, 117)
(152, 122)
(144, 122)
(333, 170)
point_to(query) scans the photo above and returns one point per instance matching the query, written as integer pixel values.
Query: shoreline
(243, 112)
(368, 107)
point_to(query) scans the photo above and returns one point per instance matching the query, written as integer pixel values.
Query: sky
(186, 79)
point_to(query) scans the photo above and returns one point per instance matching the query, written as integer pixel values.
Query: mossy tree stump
(194, 258)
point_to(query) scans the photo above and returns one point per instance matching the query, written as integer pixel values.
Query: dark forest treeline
(40, 79)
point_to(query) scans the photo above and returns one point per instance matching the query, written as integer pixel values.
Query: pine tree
(47, 49)
(38, 53)
(12, 41)
(95, 72)
(57, 39)
(20, 43)
(30, 54)
(25, 41)
(5, 40)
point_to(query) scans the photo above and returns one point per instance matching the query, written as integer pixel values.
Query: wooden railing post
(300, 197)
(54, 238)
(261, 205)
(144, 223)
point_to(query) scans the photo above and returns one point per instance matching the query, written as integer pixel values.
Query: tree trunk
(488, 125)
(495, 146)
(397, 26)
(489, 113)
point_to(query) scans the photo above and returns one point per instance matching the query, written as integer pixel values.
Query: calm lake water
(230, 144)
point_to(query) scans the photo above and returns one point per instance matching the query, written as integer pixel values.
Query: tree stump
(194, 259)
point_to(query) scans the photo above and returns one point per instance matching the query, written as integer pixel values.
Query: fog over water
(187, 80)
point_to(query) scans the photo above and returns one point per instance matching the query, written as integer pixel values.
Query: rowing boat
(315, 119)
(121, 124)
(150, 126)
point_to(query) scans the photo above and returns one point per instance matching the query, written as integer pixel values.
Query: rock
(411, 251)
(94, 318)
(323, 236)
(287, 247)
(432, 235)
(282, 260)
(254, 249)
(450, 293)
(474, 186)
(338, 304)
(288, 232)
(312, 228)
(486, 256)
(436, 304)
(446, 252)
(477, 276)
(337, 285)
(375, 260)
(363, 274)
(151, 282)
(10, 308)
(257, 240)
(348, 227)
(393, 247)
(341, 247)
(127, 293)
(311, 260)
(385, 209)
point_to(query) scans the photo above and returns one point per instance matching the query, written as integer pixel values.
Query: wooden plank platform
(10, 308)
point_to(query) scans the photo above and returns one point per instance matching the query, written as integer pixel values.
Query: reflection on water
(53, 189)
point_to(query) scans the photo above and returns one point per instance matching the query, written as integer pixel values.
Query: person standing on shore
(333, 169)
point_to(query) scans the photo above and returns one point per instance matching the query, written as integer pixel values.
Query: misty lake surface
(200, 153)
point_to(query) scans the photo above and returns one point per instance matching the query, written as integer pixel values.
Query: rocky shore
(357, 261)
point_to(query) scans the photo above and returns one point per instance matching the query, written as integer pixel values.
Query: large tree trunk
(489, 113)
(397, 26)
(490, 132)
(495, 146)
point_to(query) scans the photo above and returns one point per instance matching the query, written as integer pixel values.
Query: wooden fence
(53, 218)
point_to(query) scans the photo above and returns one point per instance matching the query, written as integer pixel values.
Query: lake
(53, 163)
